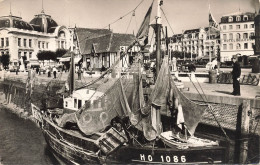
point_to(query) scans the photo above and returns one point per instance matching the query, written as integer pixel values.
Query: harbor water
(21, 141)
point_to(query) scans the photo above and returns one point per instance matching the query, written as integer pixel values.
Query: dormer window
(238, 18)
(230, 19)
(245, 18)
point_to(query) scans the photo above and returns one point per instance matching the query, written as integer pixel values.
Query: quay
(237, 115)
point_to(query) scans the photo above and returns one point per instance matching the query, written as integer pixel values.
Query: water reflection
(22, 142)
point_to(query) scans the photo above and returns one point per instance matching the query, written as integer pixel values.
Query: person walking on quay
(48, 72)
(236, 72)
(54, 70)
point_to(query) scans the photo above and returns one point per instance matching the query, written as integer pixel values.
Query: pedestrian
(236, 72)
(48, 72)
(37, 70)
(54, 70)
(79, 74)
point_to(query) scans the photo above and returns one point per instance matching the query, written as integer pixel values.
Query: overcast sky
(181, 14)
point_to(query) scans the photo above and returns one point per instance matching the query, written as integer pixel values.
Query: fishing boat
(125, 126)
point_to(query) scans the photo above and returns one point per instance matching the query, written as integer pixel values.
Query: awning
(76, 60)
(65, 59)
(34, 63)
(207, 57)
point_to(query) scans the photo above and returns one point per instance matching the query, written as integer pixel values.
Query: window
(30, 43)
(230, 27)
(224, 36)
(245, 45)
(47, 45)
(224, 27)
(19, 42)
(224, 46)
(6, 41)
(39, 44)
(43, 45)
(2, 42)
(230, 19)
(238, 36)
(30, 54)
(238, 27)
(231, 46)
(25, 55)
(238, 18)
(19, 55)
(245, 26)
(62, 44)
(252, 34)
(238, 46)
(245, 36)
(252, 26)
(75, 103)
(24, 42)
(245, 18)
(253, 45)
(231, 36)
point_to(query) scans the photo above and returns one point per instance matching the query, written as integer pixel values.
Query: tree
(46, 55)
(60, 52)
(5, 60)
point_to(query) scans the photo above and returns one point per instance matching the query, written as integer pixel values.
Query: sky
(181, 14)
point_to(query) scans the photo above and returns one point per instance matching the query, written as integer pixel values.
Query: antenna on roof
(42, 7)
(10, 8)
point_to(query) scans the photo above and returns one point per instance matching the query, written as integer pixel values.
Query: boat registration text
(163, 158)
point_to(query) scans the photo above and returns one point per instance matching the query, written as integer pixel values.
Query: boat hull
(78, 150)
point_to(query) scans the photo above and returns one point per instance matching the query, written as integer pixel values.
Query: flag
(213, 22)
(142, 34)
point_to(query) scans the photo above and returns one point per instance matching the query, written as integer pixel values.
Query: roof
(43, 23)
(86, 33)
(14, 22)
(107, 43)
(192, 31)
(250, 17)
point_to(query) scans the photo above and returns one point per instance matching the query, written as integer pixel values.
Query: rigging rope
(210, 108)
(129, 22)
(124, 15)
(167, 20)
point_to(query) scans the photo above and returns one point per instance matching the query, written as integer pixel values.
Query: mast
(209, 38)
(157, 29)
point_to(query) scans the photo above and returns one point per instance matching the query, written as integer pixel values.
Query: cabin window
(79, 104)
(66, 104)
(75, 103)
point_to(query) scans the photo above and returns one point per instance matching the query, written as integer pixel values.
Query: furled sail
(142, 34)
(192, 111)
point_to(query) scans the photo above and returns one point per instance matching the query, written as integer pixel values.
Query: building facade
(196, 42)
(237, 35)
(23, 40)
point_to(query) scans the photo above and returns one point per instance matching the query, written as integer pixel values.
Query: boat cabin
(80, 98)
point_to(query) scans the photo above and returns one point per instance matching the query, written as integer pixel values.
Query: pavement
(221, 93)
